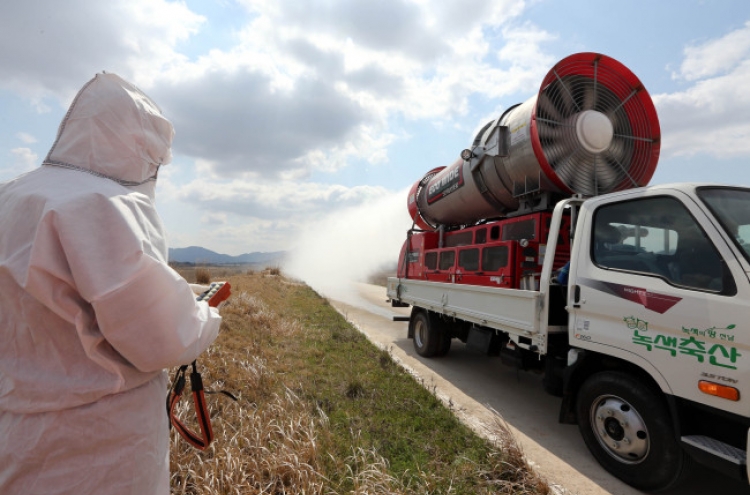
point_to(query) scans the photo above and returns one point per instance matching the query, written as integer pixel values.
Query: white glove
(199, 289)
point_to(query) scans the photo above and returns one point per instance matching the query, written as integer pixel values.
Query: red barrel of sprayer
(591, 129)
(412, 199)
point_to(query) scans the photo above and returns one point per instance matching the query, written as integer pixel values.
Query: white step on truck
(633, 300)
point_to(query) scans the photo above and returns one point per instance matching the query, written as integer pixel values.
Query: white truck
(544, 245)
(651, 351)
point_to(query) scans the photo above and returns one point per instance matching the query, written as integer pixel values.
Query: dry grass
(191, 272)
(202, 275)
(310, 409)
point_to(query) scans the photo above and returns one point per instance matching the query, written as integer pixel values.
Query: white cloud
(311, 89)
(26, 138)
(269, 216)
(295, 92)
(49, 49)
(234, 238)
(715, 56)
(315, 90)
(710, 115)
(214, 219)
(22, 160)
(271, 200)
(156, 27)
(238, 122)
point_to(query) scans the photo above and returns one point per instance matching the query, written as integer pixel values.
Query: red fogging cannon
(591, 129)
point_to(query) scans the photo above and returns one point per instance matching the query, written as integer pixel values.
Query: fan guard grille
(595, 82)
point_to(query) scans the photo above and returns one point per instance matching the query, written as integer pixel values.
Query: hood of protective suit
(113, 129)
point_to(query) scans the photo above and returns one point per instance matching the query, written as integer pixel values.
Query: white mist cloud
(346, 247)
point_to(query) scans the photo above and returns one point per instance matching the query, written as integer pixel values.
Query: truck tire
(628, 429)
(429, 335)
(445, 343)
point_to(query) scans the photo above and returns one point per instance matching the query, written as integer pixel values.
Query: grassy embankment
(321, 410)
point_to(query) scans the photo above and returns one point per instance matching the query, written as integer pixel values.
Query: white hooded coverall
(90, 312)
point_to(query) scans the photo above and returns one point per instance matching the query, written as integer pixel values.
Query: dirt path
(476, 385)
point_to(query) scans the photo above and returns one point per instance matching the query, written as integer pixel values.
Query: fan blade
(620, 122)
(608, 174)
(620, 168)
(550, 131)
(547, 109)
(564, 167)
(576, 173)
(567, 105)
(621, 149)
(589, 97)
(554, 154)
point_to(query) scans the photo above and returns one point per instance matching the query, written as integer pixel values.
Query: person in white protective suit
(90, 312)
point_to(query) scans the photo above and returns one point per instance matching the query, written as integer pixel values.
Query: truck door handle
(576, 296)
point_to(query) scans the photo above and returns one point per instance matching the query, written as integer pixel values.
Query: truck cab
(658, 306)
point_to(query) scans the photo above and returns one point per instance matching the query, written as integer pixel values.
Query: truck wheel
(445, 343)
(428, 334)
(627, 427)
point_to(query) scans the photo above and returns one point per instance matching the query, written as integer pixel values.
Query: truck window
(447, 258)
(430, 260)
(494, 258)
(731, 206)
(468, 259)
(656, 236)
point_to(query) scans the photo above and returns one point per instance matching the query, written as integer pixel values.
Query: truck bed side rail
(510, 310)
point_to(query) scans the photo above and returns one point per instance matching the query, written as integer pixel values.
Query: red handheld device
(217, 293)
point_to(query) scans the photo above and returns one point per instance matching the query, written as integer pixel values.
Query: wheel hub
(419, 331)
(620, 429)
(614, 429)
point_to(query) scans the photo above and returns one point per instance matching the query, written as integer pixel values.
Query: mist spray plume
(343, 249)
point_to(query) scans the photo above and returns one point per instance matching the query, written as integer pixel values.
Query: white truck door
(653, 283)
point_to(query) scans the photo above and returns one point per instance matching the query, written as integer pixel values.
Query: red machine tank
(591, 129)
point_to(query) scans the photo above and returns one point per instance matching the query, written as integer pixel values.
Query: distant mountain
(196, 254)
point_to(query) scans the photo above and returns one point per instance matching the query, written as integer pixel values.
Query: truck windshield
(731, 206)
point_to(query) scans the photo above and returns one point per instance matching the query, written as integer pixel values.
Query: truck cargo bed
(517, 312)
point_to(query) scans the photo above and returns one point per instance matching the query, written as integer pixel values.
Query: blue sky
(300, 124)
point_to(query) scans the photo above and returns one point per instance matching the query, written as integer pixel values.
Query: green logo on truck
(720, 354)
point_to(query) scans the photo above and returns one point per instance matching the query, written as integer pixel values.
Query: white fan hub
(594, 131)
